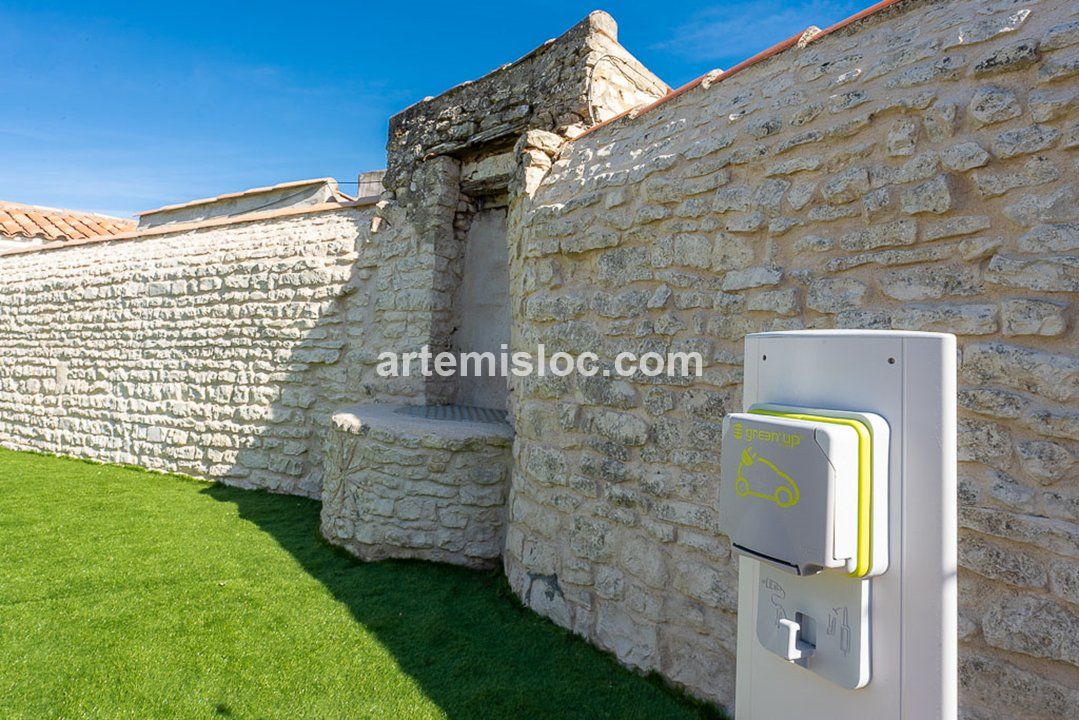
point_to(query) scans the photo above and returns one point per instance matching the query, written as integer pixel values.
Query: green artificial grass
(130, 594)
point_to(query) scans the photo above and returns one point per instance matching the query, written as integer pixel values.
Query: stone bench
(417, 482)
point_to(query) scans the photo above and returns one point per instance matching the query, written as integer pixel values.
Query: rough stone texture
(914, 169)
(932, 192)
(404, 487)
(445, 151)
(221, 351)
(580, 78)
(218, 352)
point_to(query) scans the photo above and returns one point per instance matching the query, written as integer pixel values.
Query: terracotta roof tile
(8, 226)
(34, 222)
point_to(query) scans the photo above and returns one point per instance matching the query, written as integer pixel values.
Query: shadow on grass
(460, 634)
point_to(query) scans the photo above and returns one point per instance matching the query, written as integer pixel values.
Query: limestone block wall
(401, 486)
(219, 351)
(916, 170)
(578, 79)
(445, 151)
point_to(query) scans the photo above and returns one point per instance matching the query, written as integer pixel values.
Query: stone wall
(445, 152)
(576, 80)
(219, 340)
(404, 486)
(912, 170)
(218, 351)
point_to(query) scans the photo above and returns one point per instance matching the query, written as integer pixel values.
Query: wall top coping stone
(597, 20)
(800, 40)
(327, 181)
(361, 419)
(177, 228)
(548, 88)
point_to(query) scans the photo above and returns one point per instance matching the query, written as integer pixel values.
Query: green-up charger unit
(838, 494)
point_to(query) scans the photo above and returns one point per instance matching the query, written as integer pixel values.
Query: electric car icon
(772, 484)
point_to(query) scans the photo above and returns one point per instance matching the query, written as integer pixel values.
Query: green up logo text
(750, 434)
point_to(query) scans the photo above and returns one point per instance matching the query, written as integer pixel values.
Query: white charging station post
(839, 493)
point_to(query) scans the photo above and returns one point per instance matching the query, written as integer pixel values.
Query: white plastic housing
(881, 468)
(901, 624)
(789, 491)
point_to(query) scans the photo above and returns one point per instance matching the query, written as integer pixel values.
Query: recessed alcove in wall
(481, 303)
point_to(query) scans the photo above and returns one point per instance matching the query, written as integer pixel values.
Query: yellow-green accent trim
(865, 479)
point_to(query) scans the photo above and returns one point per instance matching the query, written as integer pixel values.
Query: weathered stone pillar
(431, 203)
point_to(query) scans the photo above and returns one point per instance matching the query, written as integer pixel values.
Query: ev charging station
(838, 492)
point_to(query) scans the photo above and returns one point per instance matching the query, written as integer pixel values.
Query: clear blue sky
(119, 107)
